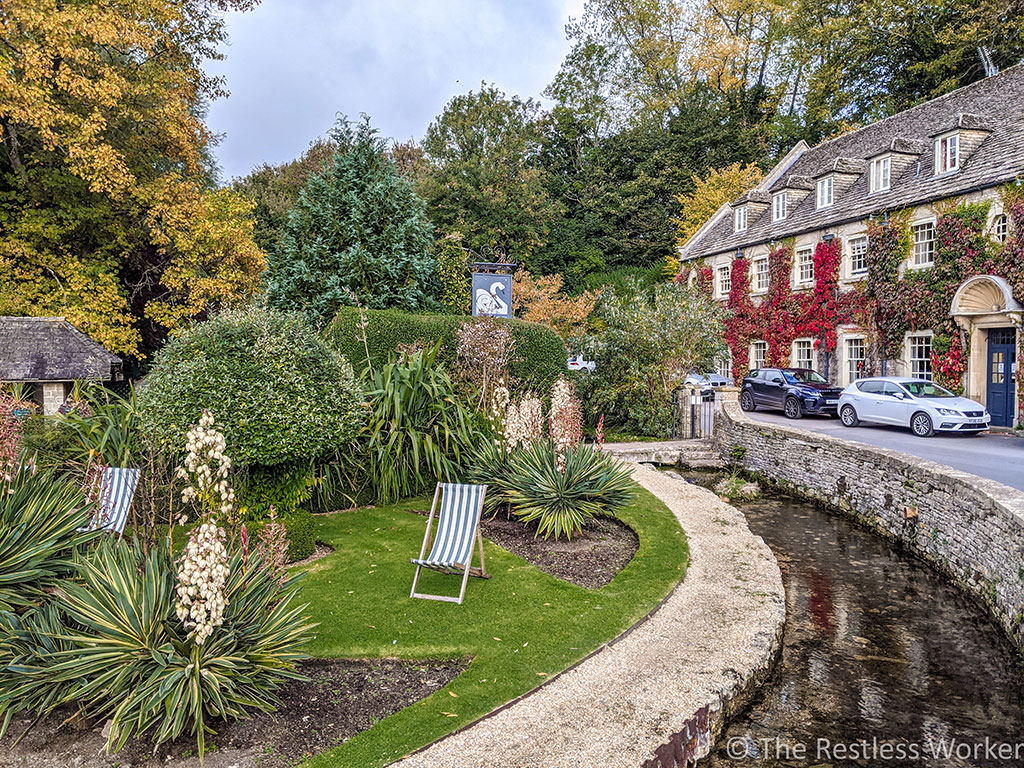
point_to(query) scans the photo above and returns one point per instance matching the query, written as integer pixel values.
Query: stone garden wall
(970, 528)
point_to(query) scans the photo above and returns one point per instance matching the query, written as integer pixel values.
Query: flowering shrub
(206, 468)
(524, 422)
(566, 418)
(272, 547)
(484, 352)
(202, 571)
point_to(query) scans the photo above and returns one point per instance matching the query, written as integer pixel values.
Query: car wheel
(747, 402)
(792, 408)
(921, 424)
(848, 416)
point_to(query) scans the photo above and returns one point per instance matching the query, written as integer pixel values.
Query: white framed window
(857, 248)
(805, 266)
(803, 354)
(758, 354)
(947, 153)
(739, 219)
(856, 350)
(779, 206)
(723, 365)
(1001, 227)
(826, 187)
(759, 267)
(879, 178)
(924, 244)
(919, 355)
(724, 281)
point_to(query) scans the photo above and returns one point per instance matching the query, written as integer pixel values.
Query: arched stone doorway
(985, 308)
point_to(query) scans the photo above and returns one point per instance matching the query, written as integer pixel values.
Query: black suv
(795, 390)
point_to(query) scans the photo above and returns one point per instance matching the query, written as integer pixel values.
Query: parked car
(577, 363)
(920, 404)
(708, 383)
(795, 391)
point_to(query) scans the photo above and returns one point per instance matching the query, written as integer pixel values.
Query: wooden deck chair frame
(468, 569)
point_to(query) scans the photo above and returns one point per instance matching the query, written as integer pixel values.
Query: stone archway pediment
(984, 295)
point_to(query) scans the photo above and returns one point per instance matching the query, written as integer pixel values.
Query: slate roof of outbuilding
(51, 349)
(995, 104)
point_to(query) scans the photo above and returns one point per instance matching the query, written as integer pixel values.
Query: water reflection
(877, 649)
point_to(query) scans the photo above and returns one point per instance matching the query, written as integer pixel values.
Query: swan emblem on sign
(489, 303)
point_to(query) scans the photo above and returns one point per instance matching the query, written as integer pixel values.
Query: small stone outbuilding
(50, 354)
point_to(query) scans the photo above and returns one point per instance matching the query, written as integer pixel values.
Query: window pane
(924, 244)
(858, 255)
(855, 355)
(920, 357)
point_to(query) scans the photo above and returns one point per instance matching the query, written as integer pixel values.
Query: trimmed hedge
(538, 360)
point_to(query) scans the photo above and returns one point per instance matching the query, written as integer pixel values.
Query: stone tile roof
(51, 349)
(994, 105)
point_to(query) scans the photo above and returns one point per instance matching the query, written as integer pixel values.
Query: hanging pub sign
(492, 283)
(492, 295)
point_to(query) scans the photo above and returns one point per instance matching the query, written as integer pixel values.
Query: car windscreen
(925, 389)
(804, 377)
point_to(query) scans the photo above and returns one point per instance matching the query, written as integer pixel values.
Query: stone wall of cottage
(970, 528)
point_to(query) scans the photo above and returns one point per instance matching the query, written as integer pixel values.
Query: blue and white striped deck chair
(117, 489)
(458, 533)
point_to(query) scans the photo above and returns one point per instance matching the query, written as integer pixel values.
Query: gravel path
(711, 641)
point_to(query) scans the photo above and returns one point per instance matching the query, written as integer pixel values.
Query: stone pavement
(709, 644)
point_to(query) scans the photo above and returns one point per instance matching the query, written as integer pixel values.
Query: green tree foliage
(652, 340)
(274, 189)
(480, 176)
(453, 272)
(357, 233)
(278, 391)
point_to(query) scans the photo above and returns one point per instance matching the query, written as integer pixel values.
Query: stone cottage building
(894, 249)
(49, 354)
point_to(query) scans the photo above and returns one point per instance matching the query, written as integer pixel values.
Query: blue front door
(1002, 343)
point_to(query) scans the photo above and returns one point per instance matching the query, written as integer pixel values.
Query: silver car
(920, 404)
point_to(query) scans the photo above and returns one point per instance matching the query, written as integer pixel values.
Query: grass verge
(519, 628)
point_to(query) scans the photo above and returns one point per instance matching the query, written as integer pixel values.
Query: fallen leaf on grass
(453, 694)
(542, 674)
(496, 638)
(371, 626)
(449, 714)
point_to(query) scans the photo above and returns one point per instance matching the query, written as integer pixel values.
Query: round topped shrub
(278, 391)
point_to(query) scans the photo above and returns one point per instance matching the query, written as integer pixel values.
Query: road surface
(995, 455)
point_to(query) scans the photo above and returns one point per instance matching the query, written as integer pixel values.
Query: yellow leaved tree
(108, 210)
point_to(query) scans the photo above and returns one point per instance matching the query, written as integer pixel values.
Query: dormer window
(947, 153)
(739, 219)
(879, 178)
(779, 206)
(826, 187)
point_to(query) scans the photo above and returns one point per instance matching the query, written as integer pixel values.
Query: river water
(883, 662)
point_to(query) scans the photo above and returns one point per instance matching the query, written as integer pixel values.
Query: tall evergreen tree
(358, 232)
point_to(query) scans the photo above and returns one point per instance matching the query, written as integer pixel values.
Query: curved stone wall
(969, 527)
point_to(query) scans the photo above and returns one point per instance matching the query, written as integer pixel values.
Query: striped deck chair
(458, 532)
(117, 489)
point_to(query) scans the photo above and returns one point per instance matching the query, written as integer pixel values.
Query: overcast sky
(293, 65)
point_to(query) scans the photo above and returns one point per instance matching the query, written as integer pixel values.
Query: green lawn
(518, 628)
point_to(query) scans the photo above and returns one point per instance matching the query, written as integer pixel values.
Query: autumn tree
(540, 300)
(481, 177)
(106, 206)
(710, 192)
(357, 233)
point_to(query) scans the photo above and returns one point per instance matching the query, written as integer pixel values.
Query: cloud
(292, 67)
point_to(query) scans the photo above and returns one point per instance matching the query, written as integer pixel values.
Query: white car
(920, 404)
(577, 363)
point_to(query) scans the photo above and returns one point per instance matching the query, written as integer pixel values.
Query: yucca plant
(40, 514)
(561, 491)
(106, 431)
(126, 656)
(418, 427)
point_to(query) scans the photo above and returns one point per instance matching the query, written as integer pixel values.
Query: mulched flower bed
(589, 559)
(342, 698)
